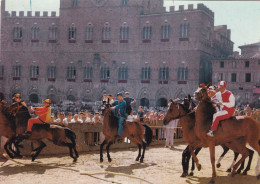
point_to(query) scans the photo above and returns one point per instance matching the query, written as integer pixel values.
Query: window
(105, 73)
(146, 73)
(246, 64)
(51, 72)
(17, 71)
(164, 74)
(53, 33)
(248, 77)
(34, 72)
(72, 33)
(165, 31)
(74, 3)
(184, 30)
(17, 32)
(124, 32)
(234, 64)
(122, 73)
(147, 32)
(71, 73)
(106, 31)
(233, 77)
(221, 77)
(88, 72)
(1, 71)
(35, 33)
(124, 2)
(183, 73)
(222, 64)
(89, 33)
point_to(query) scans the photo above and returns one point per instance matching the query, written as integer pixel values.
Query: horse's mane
(112, 119)
(186, 109)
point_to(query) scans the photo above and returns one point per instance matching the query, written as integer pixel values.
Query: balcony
(163, 82)
(145, 81)
(123, 41)
(88, 41)
(52, 41)
(106, 41)
(87, 80)
(183, 39)
(71, 80)
(16, 78)
(165, 40)
(72, 41)
(146, 40)
(182, 82)
(51, 79)
(17, 40)
(122, 81)
(34, 41)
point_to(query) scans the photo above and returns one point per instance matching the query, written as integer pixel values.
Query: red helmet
(222, 84)
(48, 101)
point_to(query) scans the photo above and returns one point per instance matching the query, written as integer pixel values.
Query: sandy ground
(162, 165)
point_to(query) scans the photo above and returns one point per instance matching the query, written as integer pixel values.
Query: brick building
(105, 46)
(242, 72)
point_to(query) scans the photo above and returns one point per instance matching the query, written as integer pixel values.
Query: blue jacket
(120, 108)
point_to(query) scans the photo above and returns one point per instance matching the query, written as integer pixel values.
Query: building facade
(242, 73)
(105, 46)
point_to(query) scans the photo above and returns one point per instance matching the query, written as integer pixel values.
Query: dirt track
(162, 165)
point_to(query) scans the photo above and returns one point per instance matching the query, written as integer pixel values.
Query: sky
(242, 17)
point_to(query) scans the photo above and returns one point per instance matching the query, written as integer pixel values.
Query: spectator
(68, 120)
(170, 128)
(140, 114)
(76, 119)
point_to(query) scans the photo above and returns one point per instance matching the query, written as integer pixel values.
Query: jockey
(44, 115)
(228, 107)
(119, 110)
(17, 98)
(129, 101)
(215, 97)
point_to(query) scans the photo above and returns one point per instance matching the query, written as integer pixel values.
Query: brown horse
(134, 131)
(187, 121)
(7, 129)
(60, 136)
(246, 129)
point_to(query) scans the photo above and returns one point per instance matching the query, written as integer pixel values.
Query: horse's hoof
(233, 174)
(137, 159)
(211, 181)
(33, 158)
(229, 170)
(75, 160)
(244, 173)
(141, 160)
(191, 174)
(199, 167)
(218, 165)
(238, 171)
(109, 160)
(184, 174)
(101, 160)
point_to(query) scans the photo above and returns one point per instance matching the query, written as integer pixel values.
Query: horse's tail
(148, 134)
(71, 135)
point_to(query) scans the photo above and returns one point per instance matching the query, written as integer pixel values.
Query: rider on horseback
(17, 98)
(44, 115)
(119, 110)
(227, 107)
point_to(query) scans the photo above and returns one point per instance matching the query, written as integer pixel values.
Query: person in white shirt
(170, 132)
(76, 119)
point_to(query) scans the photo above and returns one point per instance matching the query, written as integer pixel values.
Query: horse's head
(15, 107)
(106, 109)
(201, 93)
(175, 111)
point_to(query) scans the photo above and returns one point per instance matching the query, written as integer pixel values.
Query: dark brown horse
(134, 131)
(187, 121)
(244, 130)
(8, 130)
(60, 136)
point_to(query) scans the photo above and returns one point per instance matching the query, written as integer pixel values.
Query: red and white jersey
(217, 98)
(228, 100)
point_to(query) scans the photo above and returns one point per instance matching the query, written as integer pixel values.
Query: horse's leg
(234, 161)
(251, 154)
(193, 165)
(256, 146)
(196, 160)
(13, 147)
(139, 152)
(8, 142)
(185, 161)
(212, 159)
(38, 150)
(108, 155)
(245, 153)
(142, 157)
(225, 150)
(101, 150)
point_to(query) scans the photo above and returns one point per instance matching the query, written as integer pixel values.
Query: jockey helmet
(48, 101)
(222, 84)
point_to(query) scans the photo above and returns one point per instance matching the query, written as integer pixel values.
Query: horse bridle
(180, 116)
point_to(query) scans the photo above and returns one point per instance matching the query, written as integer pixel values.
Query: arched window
(184, 30)
(1, 72)
(51, 70)
(147, 31)
(123, 72)
(34, 98)
(89, 32)
(164, 74)
(183, 72)
(17, 71)
(105, 73)
(144, 102)
(106, 32)
(146, 73)
(53, 32)
(35, 33)
(34, 71)
(165, 31)
(17, 32)
(88, 72)
(124, 32)
(72, 32)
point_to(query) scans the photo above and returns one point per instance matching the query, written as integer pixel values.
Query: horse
(54, 133)
(134, 131)
(8, 130)
(187, 121)
(233, 132)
